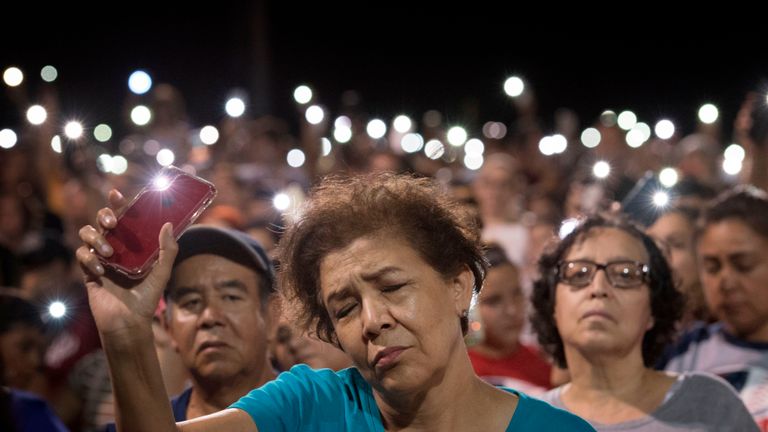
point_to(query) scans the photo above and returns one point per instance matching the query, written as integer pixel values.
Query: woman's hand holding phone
(120, 304)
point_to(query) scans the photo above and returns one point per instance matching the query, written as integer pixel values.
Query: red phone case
(179, 201)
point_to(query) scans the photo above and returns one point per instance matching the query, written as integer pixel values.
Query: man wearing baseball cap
(219, 317)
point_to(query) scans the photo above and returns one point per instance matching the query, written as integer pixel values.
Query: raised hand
(120, 304)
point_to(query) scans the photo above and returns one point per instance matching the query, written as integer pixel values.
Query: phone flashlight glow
(161, 183)
(660, 199)
(57, 309)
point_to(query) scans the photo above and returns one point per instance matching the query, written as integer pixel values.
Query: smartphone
(639, 204)
(172, 196)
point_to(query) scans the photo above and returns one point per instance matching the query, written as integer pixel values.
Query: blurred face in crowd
(501, 305)
(292, 348)
(216, 319)
(734, 273)
(599, 317)
(674, 233)
(22, 349)
(494, 189)
(393, 313)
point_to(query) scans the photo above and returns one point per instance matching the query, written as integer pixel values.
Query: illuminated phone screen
(134, 239)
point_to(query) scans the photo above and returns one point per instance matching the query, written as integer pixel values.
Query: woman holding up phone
(383, 266)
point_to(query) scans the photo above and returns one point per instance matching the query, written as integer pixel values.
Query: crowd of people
(395, 291)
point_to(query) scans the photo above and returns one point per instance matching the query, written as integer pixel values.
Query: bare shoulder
(230, 419)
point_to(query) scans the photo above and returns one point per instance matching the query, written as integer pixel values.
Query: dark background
(397, 61)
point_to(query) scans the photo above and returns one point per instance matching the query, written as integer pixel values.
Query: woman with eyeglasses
(605, 307)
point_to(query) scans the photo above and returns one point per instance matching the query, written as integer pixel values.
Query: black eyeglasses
(620, 274)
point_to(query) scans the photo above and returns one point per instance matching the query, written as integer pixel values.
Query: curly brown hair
(344, 208)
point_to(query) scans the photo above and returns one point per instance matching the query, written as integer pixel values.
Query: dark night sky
(455, 64)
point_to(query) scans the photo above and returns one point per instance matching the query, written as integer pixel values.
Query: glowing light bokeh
(139, 82)
(36, 114)
(402, 123)
(295, 158)
(664, 129)
(456, 136)
(209, 135)
(314, 114)
(102, 132)
(514, 86)
(49, 73)
(708, 113)
(302, 94)
(601, 169)
(8, 138)
(590, 137)
(13, 76)
(668, 177)
(73, 130)
(376, 128)
(235, 107)
(141, 115)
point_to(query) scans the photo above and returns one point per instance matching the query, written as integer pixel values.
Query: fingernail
(105, 248)
(109, 220)
(99, 269)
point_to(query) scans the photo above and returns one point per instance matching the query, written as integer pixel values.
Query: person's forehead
(212, 270)
(608, 240)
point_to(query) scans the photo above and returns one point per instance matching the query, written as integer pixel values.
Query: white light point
(235, 107)
(376, 128)
(342, 122)
(559, 143)
(314, 114)
(165, 157)
(73, 130)
(104, 163)
(57, 309)
(139, 82)
(326, 146)
(567, 227)
(49, 73)
(412, 142)
(514, 86)
(161, 182)
(102, 132)
(56, 144)
(302, 94)
(342, 134)
(668, 177)
(627, 120)
(36, 114)
(664, 129)
(601, 169)
(281, 201)
(402, 123)
(295, 158)
(708, 113)
(456, 136)
(473, 161)
(141, 115)
(474, 146)
(590, 137)
(660, 199)
(13, 76)
(209, 135)
(434, 149)
(732, 166)
(119, 165)
(635, 138)
(735, 152)
(8, 138)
